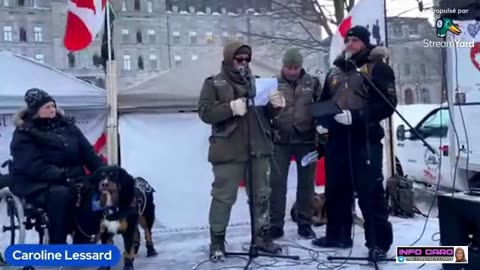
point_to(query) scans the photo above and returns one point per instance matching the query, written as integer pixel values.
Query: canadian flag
(368, 13)
(85, 19)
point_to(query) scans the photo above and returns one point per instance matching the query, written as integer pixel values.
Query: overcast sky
(403, 8)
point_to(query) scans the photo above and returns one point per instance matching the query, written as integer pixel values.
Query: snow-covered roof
(19, 73)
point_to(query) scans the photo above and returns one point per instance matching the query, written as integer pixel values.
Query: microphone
(251, 85)
(243, 71)
(348, 55)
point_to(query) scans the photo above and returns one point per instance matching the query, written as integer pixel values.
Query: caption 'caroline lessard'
(62, 255)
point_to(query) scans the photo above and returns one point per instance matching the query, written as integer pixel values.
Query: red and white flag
(85, 18)
(368, 13)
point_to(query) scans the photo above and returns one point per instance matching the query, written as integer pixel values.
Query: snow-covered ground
(187, 248)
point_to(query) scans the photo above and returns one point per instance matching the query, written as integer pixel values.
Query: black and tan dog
(115, 203)
(319, 216)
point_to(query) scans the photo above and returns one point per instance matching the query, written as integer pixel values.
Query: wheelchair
(19, 217)
(23, 217)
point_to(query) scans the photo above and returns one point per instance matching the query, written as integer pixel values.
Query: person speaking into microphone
(223, 105)
(354, 152)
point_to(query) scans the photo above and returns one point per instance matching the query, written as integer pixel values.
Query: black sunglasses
(242, 59)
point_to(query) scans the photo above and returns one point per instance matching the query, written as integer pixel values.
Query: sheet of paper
(264, 87)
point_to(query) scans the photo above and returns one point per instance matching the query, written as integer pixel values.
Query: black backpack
(400, 197)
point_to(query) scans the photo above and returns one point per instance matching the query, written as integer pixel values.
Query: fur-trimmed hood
(21, 117)
(373, 54)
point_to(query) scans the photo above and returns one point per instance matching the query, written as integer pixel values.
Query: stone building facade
(149, 36)
(418, 69)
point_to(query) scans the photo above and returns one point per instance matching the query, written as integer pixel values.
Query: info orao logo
(401, 259)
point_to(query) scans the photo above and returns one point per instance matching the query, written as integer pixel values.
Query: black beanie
(361, 33)
(36, 98)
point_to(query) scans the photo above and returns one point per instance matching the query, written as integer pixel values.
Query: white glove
(321, 130)
(344, 118)
(277, 100)
(239, 106)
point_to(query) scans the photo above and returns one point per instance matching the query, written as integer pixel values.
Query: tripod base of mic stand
(254, 253)
(367, 259)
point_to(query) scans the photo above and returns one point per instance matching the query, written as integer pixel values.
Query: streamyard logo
(445, 25)
(456, 254)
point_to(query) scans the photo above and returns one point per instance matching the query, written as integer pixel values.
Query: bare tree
(306, 18)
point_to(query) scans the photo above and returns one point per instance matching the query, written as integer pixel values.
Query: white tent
(19, 73)
(169, 148)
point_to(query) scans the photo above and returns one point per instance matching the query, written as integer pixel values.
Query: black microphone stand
(253, 251)
(376, 260)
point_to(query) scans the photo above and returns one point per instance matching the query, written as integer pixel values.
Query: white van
(417, 162)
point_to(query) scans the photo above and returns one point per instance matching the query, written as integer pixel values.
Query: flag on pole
(368, 13)
(85, 19)
(106, 39)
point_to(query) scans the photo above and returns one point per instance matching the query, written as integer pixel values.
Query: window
(21, 3)
(96, 60)
(413, 30)
(140, 63)
(178, 60)
(409, 96)
(407, 70)
(139, 37)
(150, 6)
(176, 37)
(137, 5)
(397, 30)
(152, 39)
(435, 125)
(127, 62)
(37, 33)
(39, 57)
(423, 69)
(124, 5)
(125, 35)
(35, 3)
(194, 57)
(23, 35)
(6, 3)
(153, 61)
(71, 60)
(425, 96)
(209, 37)
(193, 37)
(7, 33)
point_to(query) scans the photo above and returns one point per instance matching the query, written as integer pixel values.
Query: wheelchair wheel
(11, 217)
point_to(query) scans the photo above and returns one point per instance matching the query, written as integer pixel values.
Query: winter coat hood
(230, 49)
(372, 54)
(23, 117)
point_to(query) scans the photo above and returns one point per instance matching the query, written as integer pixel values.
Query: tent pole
(112, 92)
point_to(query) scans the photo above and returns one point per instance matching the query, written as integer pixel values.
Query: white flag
(368, 13)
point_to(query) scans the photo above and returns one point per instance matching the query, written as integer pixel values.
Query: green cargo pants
(225, 189)
(278, 182)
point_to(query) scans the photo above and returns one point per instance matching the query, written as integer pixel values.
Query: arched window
(137, 5)
(139, 37)
(23, 35)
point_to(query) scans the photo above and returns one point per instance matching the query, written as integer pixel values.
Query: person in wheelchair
(49, 153)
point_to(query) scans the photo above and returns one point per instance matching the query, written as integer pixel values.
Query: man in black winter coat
(354, 152)
(49, 152)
